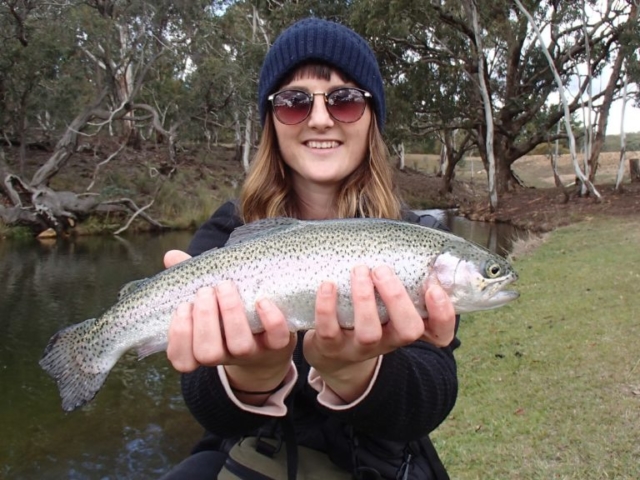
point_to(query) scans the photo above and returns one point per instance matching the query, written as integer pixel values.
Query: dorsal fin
(129, 287)
(261, 228)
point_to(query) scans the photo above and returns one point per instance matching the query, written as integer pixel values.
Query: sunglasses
(346, 104)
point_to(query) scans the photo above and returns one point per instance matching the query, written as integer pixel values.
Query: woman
(366, 398)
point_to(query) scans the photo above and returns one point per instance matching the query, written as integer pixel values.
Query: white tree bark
(399, 150)
(563, 97)
(246, 149)
(488, 110)
(623, 143)
(588, 139)
(444, 157)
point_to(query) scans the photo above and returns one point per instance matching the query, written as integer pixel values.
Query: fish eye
(492, 270)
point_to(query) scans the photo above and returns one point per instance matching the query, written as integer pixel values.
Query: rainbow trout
(284, 260)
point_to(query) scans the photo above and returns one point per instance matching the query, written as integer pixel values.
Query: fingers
(179, 344)
(327, 326)
(173, 257)
(367, 326)
(214, 330)
(441, 323)
(239, 337)
(194, 336)
(405, 325)
(276, 331)
(208, 345)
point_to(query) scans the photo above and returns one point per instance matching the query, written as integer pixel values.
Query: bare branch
(131, 205)
(132, 218)
(102, 164)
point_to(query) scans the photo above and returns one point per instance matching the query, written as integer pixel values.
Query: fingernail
(438, 295)
(204, 292)
(326, 288)
(184, 309)
(224, 288)
(264, 304)
(382, 272)
(361, 271)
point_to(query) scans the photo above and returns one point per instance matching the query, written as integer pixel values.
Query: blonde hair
(367, 192)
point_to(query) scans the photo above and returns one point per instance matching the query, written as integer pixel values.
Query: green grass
(550, 385)
(17, 233)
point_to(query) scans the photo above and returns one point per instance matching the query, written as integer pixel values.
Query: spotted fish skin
(284, 260)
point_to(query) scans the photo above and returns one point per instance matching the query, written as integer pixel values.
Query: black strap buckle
(266, 448)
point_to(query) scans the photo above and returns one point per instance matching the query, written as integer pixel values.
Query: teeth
(331, 144)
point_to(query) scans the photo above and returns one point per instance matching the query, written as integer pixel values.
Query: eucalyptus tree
(439, 37)
(472, 12)
(622, 17)
(37, 62)
(120, 47)
(580, 175)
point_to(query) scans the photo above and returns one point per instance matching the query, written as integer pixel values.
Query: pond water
(497, 237)
(138, 426)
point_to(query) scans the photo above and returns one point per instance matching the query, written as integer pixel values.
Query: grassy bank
(550, 386)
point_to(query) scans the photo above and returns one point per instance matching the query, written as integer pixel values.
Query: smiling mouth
(322, 145)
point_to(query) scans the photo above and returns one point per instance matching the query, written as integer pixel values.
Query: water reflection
(137, 427)
(497, 237)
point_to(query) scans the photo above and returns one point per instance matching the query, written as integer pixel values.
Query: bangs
(320, 71)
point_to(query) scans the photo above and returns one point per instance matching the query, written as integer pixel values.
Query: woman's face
(321, 151)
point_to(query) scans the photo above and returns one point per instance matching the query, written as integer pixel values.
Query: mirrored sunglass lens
(291, 107)
(346, 104)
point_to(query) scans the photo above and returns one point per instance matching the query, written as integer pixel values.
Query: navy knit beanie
(327, 42)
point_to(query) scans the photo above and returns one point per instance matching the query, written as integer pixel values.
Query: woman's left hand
(346, 359)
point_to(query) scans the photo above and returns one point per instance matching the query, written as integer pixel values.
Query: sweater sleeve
(416, 388)
(207, 400)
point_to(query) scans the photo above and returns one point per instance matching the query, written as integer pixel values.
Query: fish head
(474, 278)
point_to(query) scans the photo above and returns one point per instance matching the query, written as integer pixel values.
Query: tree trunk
(488, 110)
(556, 177)
(247, 140)
(588, 138)
(448, 175)
(610, 91)
(634, 170)
(623, 141)
(444, 159)
(66, 145)
(401, 155)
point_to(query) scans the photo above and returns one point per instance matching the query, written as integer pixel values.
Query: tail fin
(77, 371)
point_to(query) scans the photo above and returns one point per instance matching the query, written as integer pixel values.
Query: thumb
(173, 257)
(441, 322)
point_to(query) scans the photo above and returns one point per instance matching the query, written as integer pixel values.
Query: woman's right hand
(213, 330)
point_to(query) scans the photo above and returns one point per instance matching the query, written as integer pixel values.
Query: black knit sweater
(415, 390)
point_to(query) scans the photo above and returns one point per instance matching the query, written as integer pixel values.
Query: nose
(319, 116)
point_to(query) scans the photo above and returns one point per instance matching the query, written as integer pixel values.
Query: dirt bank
(214, 175)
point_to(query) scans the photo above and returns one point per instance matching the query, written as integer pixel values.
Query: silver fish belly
(284, 260)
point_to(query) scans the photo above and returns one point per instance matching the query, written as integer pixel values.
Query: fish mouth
(501, 298)
(496, 296)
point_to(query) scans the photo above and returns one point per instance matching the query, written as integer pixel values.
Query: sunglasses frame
(311, 96)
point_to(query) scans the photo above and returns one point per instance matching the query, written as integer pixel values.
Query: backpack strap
(291, 444)
(429, 451)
